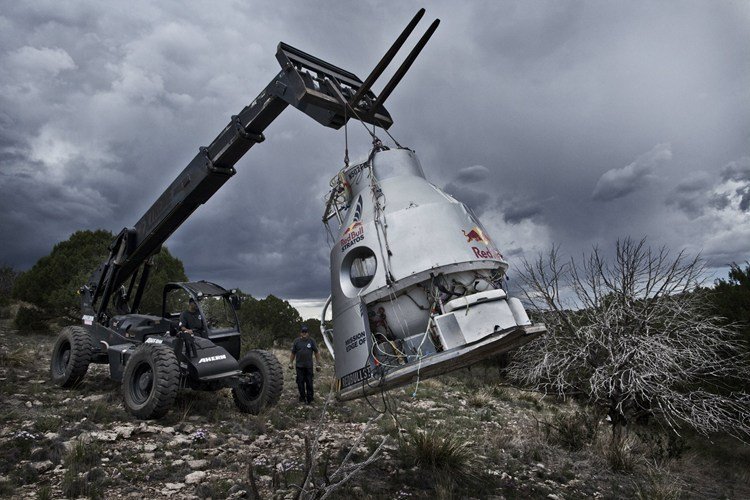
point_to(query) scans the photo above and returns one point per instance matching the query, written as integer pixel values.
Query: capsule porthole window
(362, 269)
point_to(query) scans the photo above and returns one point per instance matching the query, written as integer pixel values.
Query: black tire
(71, 356)
(252, 399)
(150, 381)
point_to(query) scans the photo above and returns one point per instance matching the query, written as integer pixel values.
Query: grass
(102, 412)
(572, 431)
(47, 423)
(622, 457)
(44, 492)
(16, 358)
(432, 458)
(218, 488)
(658, 484)
(16, 449)
(441, 454)
(82, 477)
(481, 398)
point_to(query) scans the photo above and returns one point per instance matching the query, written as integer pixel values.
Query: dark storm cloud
(473, 174)
(700, 192)
(102, 104)
(619, 182)
(692, 195)
(466, 186)
(737, 170)
(515, 212)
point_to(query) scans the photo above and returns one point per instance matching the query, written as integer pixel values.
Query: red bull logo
(490, 253)
(353, 227)
(355, 232)
(477, 235)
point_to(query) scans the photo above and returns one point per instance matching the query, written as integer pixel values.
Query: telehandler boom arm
(327, 93)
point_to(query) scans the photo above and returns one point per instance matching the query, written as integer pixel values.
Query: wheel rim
(62, 359)
(142, 384)
(252, 390)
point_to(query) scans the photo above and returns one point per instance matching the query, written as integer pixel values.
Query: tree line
(49, 291)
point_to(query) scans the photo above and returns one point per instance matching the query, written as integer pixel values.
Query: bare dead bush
(634, 337)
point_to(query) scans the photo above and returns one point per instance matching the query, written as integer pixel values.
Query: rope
(346, 137)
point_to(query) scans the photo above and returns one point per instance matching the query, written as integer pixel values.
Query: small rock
(144, 428)
(149, 447)
(174, 486)
(43, 466)
(197, 464)
(94, 397)
(28, 404)
(179, 441)
(36, 402)
(104, 435)
(167, 430)
(195, 477)
(147, 456)
(124, 430)
(177, 462)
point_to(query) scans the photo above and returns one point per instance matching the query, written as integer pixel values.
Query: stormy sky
(570, 123)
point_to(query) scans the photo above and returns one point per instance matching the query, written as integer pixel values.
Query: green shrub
(8, 277)
(25, 474)
(18, 358)
(30, 319)
(81, 478)
(442, 455)
(257, 338)
(622, 456)
(16, 449)
(572, 431)
(658, 484)
(52, 284)
(480, 398)
(661, 446)
(47, 423)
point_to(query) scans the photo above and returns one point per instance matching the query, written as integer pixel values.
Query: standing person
(303, 349)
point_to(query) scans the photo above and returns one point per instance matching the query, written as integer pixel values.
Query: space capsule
(417, 284)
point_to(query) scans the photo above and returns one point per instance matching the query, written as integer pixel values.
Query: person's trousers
(305, 384)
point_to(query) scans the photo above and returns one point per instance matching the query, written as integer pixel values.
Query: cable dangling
(346, 138)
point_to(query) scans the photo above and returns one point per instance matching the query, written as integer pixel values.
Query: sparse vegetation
(572, 431)
(445, 456)
(468, 434)
(635, 337)
(81, 477)
(15, 358)
(31, 319)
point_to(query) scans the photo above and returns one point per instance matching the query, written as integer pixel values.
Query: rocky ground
(462, 435)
